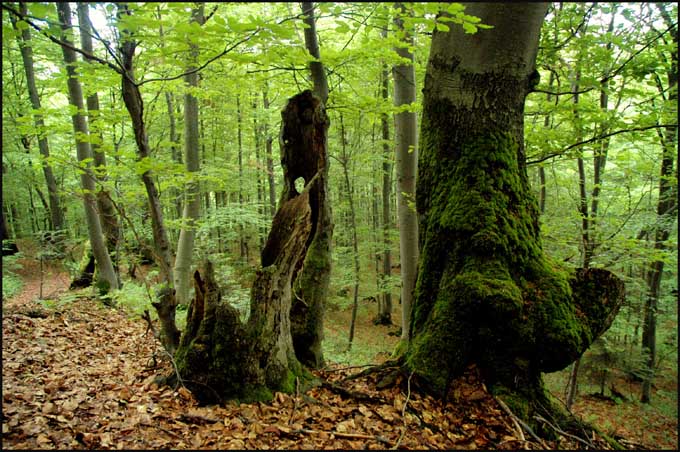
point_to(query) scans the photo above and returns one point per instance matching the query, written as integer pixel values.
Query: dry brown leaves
(78, 379)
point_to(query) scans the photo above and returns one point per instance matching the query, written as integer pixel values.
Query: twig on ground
(403, 412)
(562, 432)
(325, 369)
(524, 425)
(307, 431)
(352, 394)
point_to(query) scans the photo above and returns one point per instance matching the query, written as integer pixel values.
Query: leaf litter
(81, 376)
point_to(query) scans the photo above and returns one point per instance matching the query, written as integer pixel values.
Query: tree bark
(385, 304)
(56, 211)
(344, 161)
(270, 162)
(243, 241)
(192, 200)
(406, 144)
(485, 293)
(666, 215)
(311, 285)
(162, 253)
(107, 278)
(221, 357)
(312, 44)
(107, 212)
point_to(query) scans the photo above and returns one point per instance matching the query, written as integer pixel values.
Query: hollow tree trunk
(485, 293)
(311, 285)
(221, 357)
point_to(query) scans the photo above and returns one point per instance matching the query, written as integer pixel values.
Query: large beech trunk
(485, 293)
(220, 356)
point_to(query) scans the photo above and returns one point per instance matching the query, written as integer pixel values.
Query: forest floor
(80, 375)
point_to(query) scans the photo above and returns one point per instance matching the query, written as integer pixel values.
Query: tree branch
(65, 44)
(597, 138)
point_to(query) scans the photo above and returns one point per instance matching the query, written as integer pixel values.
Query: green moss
(251, 394)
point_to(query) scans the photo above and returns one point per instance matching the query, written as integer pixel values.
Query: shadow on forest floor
(78, 375)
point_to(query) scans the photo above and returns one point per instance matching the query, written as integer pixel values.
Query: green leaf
(469, 28)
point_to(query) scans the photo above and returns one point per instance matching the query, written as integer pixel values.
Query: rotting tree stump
(222, 357)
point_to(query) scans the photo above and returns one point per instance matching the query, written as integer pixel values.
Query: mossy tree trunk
(312, 281)
(485, 293)
(221, 357)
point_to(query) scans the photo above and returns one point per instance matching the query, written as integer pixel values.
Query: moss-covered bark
(220, 357)
(485, 292)
(304, 154)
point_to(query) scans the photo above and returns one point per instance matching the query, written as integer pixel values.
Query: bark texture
(221, 357)
(107, 213)
(192, 201)
(406, 144)
(162, 252)
(485, 293)
(304, 153)
(56, 212)
(107, 278)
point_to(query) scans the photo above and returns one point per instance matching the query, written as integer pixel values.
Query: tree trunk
(192, 201)
(56, 211)
(406, 144)
(270, 162)
(344, 161)
(666, 215)
(107, 212)
(311, 284)
(220, 357)
(107, 279)
(485, 293)
(385, 303)
(243, 241)
(312, 44)
(162, 253)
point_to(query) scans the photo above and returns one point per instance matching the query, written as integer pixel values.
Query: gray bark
(270, 161)
(56, 211)
(192, 201)
(107, 279)
(312, 44)
(406, 144)
(107, 212)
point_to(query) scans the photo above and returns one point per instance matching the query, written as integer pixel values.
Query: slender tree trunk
(192, 202)
(486, 294)
(56, 211)
(312, 44)
(176, 194)
(167, 303)
(385, 305)
(345, 161)
(258, 177)
(107, 213)
(270, 161)
(666, 215)
(107, 279)
(243, 241)
(406, 144)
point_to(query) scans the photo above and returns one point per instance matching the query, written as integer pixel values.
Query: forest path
(79, 375)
